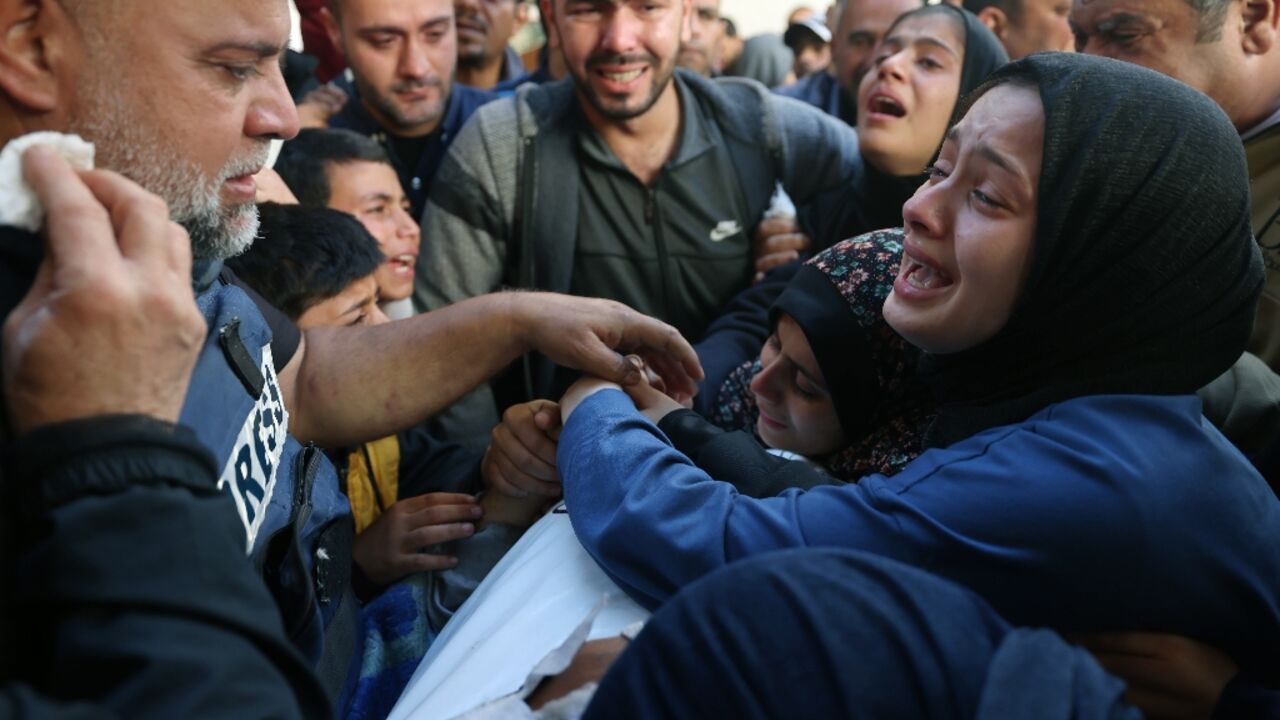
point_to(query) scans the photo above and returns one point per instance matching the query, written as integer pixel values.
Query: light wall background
(760, 16)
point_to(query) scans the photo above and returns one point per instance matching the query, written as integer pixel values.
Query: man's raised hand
(595, 335)
(110, 325)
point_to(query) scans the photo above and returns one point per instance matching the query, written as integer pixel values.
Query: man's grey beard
(218, 233)
(195, 202)
(126, 143)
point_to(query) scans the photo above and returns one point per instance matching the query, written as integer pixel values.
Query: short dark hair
(1213, 14)
(730, 28)
(304, 161)
(1012, 9)
(306, 255)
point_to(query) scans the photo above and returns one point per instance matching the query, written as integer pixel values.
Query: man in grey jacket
(631, 180)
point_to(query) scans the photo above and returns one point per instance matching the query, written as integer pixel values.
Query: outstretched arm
(349, 385)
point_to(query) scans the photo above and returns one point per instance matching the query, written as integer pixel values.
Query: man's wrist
(519, 321)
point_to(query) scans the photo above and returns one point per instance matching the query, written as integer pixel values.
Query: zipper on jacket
(527, 264)
(304, 482)
(660, 244)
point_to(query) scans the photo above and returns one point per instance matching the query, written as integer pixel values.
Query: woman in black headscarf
(929, 60)
(1078, 264)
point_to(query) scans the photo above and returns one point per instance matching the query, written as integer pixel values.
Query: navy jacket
(416, 181)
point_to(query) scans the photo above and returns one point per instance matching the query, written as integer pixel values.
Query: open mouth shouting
(920, 276)
(619, 81)
(402, 265)
(883, 105)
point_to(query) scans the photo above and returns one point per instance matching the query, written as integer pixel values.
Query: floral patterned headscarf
(837, 299)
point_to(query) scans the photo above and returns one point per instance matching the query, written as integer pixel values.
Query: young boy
(320, 267)
(347, 171)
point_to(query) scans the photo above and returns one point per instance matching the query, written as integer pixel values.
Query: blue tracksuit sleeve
(630, 494)
(1092, 515)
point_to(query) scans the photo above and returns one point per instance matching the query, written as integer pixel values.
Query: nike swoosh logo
(725, 229)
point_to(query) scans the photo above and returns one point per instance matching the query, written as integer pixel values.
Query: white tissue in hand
(19, 206)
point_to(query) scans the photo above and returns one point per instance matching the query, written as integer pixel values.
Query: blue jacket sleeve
(1035, 517)
(631, 499)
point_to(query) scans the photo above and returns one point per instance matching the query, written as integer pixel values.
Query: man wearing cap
(810, 43)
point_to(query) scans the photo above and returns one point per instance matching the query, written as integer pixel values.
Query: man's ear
(1261, 24)
(995, 20)
(39, 44)
(332, 28)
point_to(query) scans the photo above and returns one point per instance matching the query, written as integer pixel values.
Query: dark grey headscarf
(1144, 274)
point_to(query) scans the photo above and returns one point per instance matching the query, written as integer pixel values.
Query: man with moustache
(698, 51)
(402, 55)
(485, 55)
(183, 97)
(630, 180)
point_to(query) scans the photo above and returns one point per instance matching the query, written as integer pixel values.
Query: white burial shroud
(526, 620)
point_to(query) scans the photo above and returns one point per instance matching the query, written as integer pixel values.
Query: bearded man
(630, 180)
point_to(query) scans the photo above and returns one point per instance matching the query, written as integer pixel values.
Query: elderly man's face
(183, 96)
(862, 25)
(698, 53)
(1166, 36)
(403, 54)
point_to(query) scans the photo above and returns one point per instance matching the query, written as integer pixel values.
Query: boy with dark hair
(313, 257)
(411, 495)
(347, 171)
(319, 267)
(305, 161)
